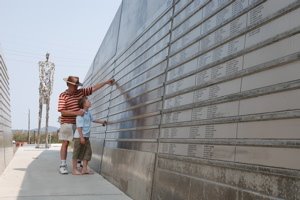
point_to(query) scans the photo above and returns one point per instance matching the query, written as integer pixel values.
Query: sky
(70, 30)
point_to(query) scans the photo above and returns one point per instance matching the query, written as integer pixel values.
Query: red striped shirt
(69, 101)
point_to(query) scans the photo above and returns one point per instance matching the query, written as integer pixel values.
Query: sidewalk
(33, 175)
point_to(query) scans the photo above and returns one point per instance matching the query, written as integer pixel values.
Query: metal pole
(28, 135)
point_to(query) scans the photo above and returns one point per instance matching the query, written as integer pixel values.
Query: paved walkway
(33, 175)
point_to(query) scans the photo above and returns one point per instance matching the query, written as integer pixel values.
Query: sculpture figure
(46, 73)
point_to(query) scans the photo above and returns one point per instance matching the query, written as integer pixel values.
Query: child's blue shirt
(84, 122)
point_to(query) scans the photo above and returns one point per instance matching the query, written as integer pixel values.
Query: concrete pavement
(33, 175)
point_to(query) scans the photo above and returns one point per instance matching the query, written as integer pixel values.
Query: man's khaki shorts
(66, 132)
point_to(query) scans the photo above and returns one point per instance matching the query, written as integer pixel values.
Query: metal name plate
(182, 69)
(134, 134)
(181, 84)
(195, 5)
(150, 108)
(198, 150)
(218, 90)
(225, 69)
(273, 76)
(229, 48)
(275, 157)
(278, 26)
(266, 9)
(271, 52)
(186, 39)
(279, 129)
(271, 103)
(179, 116)
(213, 6)
(206, 131)
(141, 123)
(200, 113)
(138, 146)
(119, 105)
(179, 100)
(216, 111)
(184, 54)
(187, 25)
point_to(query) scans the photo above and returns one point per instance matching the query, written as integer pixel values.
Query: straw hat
(74, 80)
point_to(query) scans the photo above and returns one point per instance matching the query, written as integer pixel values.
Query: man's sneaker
(63, 169)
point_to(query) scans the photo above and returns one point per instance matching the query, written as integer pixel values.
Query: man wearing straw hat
(69, 109)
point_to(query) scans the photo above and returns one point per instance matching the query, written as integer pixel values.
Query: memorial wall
(6, 148)
(206, 101)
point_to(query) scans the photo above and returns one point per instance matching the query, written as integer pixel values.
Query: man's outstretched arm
(100, 85)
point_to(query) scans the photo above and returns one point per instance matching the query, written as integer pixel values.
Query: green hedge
(22, 136)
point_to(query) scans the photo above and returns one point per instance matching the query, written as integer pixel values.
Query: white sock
(63, 162)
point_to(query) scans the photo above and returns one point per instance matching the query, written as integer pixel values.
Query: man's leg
(64, 150)
(63, 156)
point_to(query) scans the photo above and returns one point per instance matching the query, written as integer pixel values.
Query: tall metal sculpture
(46, 72)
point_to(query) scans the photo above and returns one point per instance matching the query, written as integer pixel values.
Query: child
(82, 147)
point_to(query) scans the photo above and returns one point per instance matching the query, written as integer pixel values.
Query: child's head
(84, 103)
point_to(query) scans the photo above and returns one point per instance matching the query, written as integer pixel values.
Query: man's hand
(110, 81)
(80, 112)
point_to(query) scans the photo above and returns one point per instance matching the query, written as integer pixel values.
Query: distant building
(6, 146)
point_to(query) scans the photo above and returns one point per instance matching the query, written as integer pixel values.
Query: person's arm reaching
(103, 122)
(72, 113)
(100, 85)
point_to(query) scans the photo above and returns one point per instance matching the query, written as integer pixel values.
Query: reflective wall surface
(206, 100)
(6, 148)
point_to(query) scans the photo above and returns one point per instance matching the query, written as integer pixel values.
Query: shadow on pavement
(34, 175)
